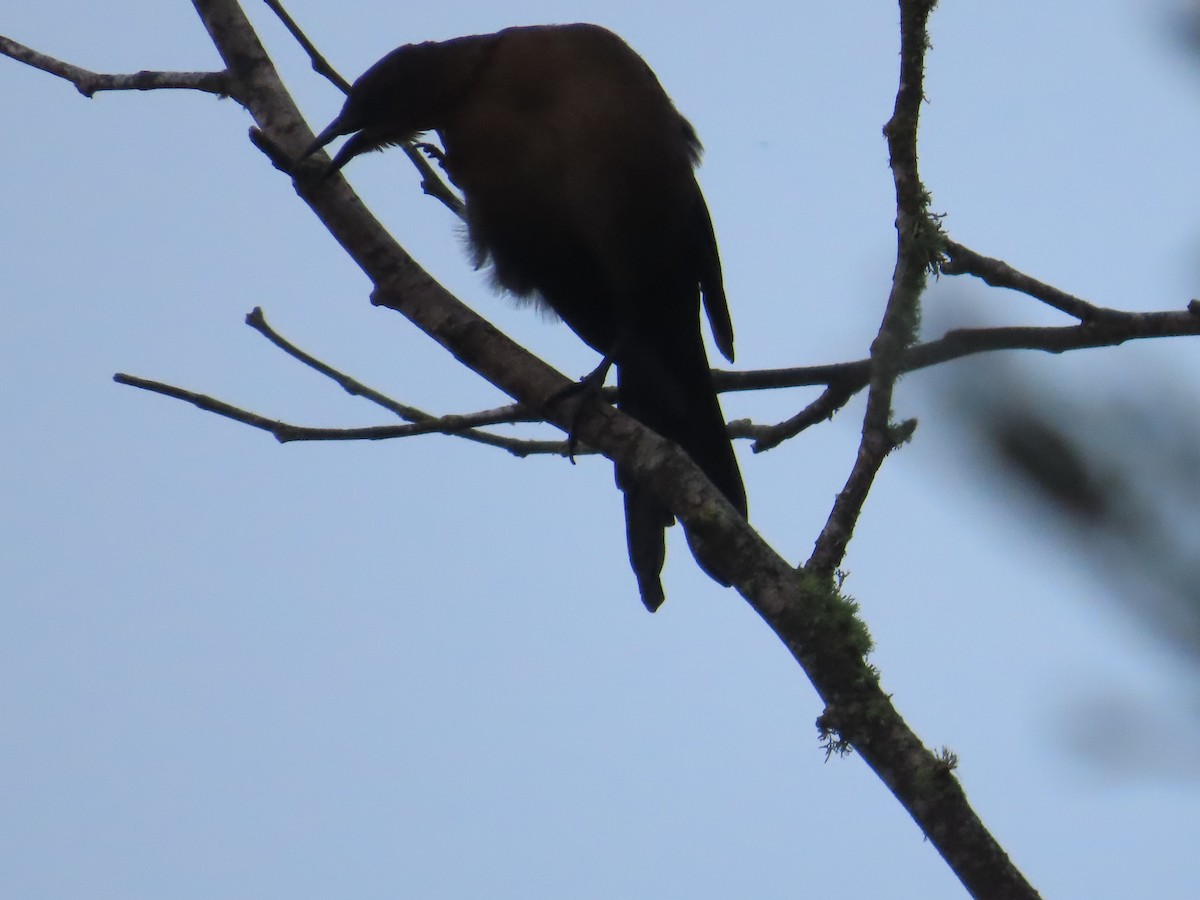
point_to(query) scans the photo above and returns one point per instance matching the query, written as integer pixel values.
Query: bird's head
(407, 92)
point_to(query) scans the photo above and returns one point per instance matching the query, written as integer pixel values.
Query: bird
(577, 175)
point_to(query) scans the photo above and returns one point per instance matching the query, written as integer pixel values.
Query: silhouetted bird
(576, 170)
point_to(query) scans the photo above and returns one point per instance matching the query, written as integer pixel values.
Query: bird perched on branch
(576, 171)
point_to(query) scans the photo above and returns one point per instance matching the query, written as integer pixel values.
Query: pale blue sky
(230, 668)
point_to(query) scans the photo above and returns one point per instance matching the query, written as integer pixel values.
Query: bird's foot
(434, 152)
(591, 383)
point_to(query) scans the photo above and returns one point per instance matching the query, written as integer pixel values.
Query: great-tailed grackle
(576, 169)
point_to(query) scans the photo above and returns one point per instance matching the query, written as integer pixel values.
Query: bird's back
(577, 171)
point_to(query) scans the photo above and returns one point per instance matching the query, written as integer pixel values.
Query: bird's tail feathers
(673, 395)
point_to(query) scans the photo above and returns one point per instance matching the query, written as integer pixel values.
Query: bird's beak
(334, 129)
(348, 151)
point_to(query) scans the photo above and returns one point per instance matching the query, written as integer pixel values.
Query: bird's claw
(591, 383)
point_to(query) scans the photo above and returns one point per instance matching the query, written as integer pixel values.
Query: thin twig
(320, 65)
(964, 261)
(844, 380)
(89, 83)
(431, 182)
(1115, 327)
(458, 425)
(256, 320)
(285, 432)
(822, 409)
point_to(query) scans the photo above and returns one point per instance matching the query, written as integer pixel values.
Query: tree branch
(463, 425)
(920, 780)
(963, 261)
(1109, 328)
(844, 381)
(832, 399)
(918, 245)
(285, 432)
(320, 65)
(89, 83)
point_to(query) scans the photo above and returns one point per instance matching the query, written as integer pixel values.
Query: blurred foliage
(1116, 466)
(1110, 464)
(1184, 26)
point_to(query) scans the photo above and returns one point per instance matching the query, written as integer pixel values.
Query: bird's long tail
(665, 383)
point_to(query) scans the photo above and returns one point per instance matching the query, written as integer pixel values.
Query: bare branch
(823, 408)
(431, 182)
(285, 432)
(320, 65)
(256, 320)
(964, 261)
(921, 781)
(844, 380)
(458, 425)
(89, 83)
(200, 401)
(1115, 327)
(918, 245)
